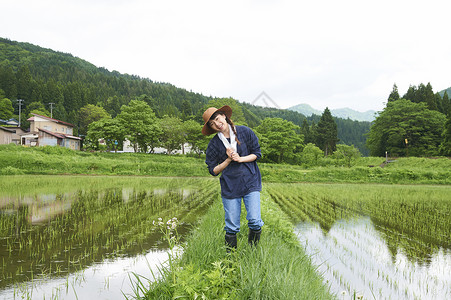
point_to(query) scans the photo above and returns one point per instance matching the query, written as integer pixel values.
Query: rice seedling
(376, 239)
(96, 219)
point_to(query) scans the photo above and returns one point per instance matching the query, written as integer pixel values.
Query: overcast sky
(346, 53)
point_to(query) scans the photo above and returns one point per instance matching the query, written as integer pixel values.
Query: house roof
(12, 121)
(50, 119)
(7, 129)
(60, 135)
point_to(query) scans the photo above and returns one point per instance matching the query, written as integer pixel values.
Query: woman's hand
(229, 152)
(233, 155)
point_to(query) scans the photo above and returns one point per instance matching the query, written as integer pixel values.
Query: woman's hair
(218, 112)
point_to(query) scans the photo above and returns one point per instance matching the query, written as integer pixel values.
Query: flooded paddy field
(374, 241)
(62, 237)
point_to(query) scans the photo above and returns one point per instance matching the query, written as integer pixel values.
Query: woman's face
(218, 123)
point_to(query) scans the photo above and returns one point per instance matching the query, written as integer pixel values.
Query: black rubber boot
(254, 237)
(230, 241)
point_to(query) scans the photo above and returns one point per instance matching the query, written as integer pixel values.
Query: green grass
(15, 160)
(276, 269)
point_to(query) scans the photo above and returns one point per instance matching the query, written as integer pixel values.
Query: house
(10, 122)
(6, 135)
(14, 135)
(48, 131)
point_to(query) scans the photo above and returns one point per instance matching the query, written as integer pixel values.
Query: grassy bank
(15, 160)
(276, 269)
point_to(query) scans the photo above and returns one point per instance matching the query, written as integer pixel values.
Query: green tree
(23, 83)
(107, 129)
(446, 104)
(422, 93)
(187, 110)
(429, 97)
(405, 128)
(140, 125)
(37, 108)
(6, 108)
(194, 136)
(279, 139)
(445, 147)
(348, 154)
(327, 133)
(394, 95)
(311, 155)
(90, 113)
(305, 130)
(59, 112)
(52, 92)
(8, 82)
(173, 133)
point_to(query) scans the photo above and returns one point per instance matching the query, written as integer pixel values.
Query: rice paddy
(57, 228)
(67, 237)
(374, 241)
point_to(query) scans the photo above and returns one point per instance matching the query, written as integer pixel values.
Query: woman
(233, 151)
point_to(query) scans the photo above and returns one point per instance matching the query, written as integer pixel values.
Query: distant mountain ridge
(344, 113)
(448, 91)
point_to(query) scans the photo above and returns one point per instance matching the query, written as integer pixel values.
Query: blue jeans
(232, 209)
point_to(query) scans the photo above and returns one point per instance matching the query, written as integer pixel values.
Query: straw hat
(206, 130)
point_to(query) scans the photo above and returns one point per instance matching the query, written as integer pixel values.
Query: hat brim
(207, 130)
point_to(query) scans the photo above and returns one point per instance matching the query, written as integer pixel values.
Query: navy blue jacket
(237, 179)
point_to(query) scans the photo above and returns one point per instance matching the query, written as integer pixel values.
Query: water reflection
(49, 236)
(110, 279)
(354, 256)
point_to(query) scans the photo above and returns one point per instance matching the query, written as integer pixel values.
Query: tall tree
(173, 133)
(187, 110)
(24, 84)
(279, 139)
(194, 136)
(305, 130)
(37, 108)
(140, 125)
(107, 129)
(411, 94)
(429, 97)
(406, 128)
(327, 133)
(446, 104)
(8, 82)
(394, 95)
(90, 113)
(445, 147)
(6, 108)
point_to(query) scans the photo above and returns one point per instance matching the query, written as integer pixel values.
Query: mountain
(305, 109)
(448, 91)
(344, 113)
(41, 76)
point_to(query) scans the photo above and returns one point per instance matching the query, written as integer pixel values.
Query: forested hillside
(61, 84)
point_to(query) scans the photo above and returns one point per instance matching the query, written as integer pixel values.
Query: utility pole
(20, 107)
(51, 109)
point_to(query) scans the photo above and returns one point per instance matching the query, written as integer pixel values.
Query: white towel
(226, 143)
